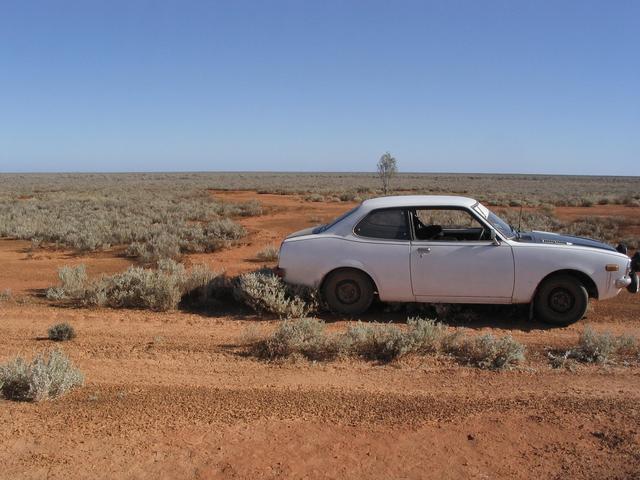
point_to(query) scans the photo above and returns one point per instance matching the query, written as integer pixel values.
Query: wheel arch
(585, 279)
(348, 268)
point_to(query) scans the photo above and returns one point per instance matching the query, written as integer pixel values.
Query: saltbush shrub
(305, 337)
(268, 254)
(73, 283)
(384, 343)
(6, 295)
(61, 332)
(489, 352)
(265, 292)
(158, 289)
(378, 342)
(601, 348)
(45, 377)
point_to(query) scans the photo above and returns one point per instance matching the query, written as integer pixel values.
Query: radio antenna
(520, 219)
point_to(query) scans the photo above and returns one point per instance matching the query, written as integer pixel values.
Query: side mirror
(494, 237)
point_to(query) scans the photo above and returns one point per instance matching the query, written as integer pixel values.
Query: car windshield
(323, 228)
(496, 222)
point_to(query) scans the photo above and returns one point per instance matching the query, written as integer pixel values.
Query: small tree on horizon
(387, 168)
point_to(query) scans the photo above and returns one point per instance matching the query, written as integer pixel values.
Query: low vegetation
(599, 348)
(158, 289)
(264, 292)
(307, 337)
(152, 220)
(488, 351)
(6, 295)
(268, 254)
(61, 332)
(45, 377)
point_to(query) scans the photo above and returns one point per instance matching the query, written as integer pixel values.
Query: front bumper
(623, 282)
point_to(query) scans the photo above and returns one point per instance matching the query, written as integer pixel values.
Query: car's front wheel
(561, 300)
(348, 291)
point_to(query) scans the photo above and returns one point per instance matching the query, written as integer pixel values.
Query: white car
(449, 249)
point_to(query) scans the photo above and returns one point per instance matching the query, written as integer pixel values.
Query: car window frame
(376, 210)
(470, 211)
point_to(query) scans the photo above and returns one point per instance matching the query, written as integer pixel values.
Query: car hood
(559, 239)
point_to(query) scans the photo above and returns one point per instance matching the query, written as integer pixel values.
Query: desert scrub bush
(158, 289)
(45, 377)
(201, 286)
(425, 336)
(600, 348)
(314, 197)
(489, 352)
(268, 254)
(377, 342)
(383, 343)
(73, 283)
(265, 292)
(137, 287)
(6, 295)
(61, 332)
(304, 336)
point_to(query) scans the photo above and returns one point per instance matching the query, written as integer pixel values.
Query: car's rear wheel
(348, 291)
(561, 300)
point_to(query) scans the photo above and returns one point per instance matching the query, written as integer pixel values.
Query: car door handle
(423, 251)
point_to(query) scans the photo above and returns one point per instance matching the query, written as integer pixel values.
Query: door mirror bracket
(494, 238)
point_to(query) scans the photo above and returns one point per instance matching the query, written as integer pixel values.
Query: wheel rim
(561, 300)
(348, 292)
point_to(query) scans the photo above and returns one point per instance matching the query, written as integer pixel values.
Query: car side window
(447, 224)
(388, 224)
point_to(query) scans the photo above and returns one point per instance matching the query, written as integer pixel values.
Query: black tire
(348, 292)
(561, 300)
(634, 286)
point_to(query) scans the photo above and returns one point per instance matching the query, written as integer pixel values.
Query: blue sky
(454, 86)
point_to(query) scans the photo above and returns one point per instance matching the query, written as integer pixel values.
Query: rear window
(388, 224)
(323, 228)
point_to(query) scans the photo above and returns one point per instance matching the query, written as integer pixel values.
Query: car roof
(418, 201)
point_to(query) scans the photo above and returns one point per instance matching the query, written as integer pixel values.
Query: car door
(453, 258)
(382, 249)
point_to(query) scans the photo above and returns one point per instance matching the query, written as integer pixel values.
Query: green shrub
(61, 332)
(489, 352)
(44, 378)
(264, 292)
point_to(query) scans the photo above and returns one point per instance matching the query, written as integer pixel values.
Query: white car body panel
(452, 271)
(480, 270)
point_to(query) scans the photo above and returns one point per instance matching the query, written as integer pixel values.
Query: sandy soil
(171, 395)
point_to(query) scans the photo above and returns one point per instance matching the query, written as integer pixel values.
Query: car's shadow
(506, 317)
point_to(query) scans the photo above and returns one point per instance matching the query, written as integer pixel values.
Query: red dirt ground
(170, 395)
